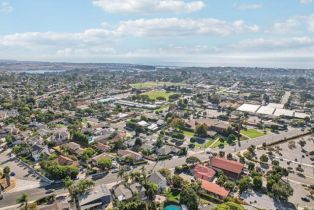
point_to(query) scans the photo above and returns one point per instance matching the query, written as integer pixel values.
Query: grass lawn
(252, 133)
(217, 143)
(154, 94)
(163, 107)
(208, 143)
(205, 145)
(173, 195)
(152, 84)
(188, 133)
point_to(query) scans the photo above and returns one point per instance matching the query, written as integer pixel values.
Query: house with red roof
(119, 137)
(65, 161)
(232, 169)
(203, 172)
(215, 189)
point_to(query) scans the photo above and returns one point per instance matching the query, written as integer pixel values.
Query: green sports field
(154, 94)
(152, 84)
(252, 133)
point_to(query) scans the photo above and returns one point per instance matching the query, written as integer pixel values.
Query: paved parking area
(292, 157)
(21, 171)
(263, 201)
(298, 192)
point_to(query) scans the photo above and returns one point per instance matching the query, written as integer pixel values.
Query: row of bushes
(209, 197)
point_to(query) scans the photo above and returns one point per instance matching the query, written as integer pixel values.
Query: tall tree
(189, 197)
(23, 200)
(6, 172)
(76, 189)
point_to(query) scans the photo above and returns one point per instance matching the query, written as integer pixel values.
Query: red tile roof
(227, 165)
(63, 160)
(203, 172)
(215, 189)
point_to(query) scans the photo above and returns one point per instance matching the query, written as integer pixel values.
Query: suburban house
(119, 137)
(212, 124)
(143, 124)
(103, 135)
(43, 132)
(38, 151)
(203, 172)
(99, 197)
(60, 136)
(65, 161)
(3, 115)
(168, 150)
(159, 180)
(232, 169)
(137, 188)
(74, 148)
(129, 153)
(102, 147)
(121, 193)
(98, 157)
(215, 189)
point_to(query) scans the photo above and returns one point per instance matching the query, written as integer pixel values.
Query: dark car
(306, 199)
(50, 191)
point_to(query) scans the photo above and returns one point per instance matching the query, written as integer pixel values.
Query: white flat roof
(301, 115)
(249, 108)
(284, 112)
(266, 110)
(143, 123)
(275, 105)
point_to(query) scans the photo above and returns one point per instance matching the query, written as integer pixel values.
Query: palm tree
(76, 189)
(151, 191)
(143, 170)
(23, 200)
(239, 124)
(6, 172)
(121, 172)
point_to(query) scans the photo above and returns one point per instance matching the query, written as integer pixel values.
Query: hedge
(209, 197)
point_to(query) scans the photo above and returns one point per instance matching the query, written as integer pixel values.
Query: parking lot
(291, 154)
(25, 179)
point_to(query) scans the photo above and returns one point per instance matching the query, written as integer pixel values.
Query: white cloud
(287, 26)
(107, 40)
(183, 27)
(149, 6)
(159, 27)
(262, 44)
(306, 1)
(248, 6)
(5, 7)
(295, 24)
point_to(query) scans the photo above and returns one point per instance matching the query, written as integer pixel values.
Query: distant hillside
(12, 65)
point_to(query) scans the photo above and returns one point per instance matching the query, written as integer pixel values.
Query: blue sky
(269, 33)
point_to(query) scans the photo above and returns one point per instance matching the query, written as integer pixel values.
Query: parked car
(51, 190)
(306, 199)
(115, 170)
